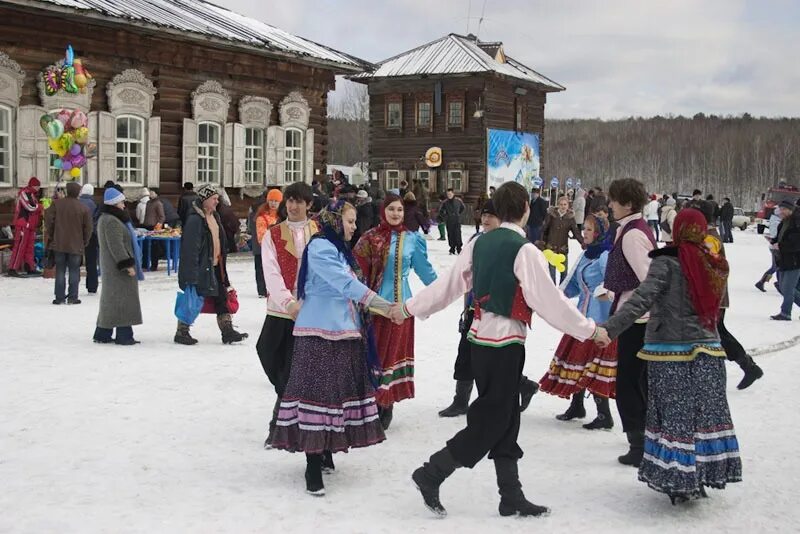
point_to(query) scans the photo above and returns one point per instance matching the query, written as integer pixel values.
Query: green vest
(494, 284)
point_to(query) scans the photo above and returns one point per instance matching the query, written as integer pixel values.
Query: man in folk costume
(282, 249)
(27, 216)
(510, 280)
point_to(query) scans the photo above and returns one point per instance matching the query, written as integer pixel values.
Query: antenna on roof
(469, 12)
(480, 21)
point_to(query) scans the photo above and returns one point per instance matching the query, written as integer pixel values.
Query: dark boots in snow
(229, 335)
(527, 389)
(385, 416)
(603, 421)
(314, 485)
(636, 449)
(327, 463)
(460, 401)
(575, 410)
(182, 335)
(430, 476)
(752, 372)
(512, 500)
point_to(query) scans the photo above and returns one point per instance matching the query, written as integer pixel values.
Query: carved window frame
(128, 142)
(254, 115)
(294, 114)
(426, 99)
(12, 78)
(393, 99)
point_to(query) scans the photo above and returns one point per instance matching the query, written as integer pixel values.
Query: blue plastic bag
(188, 305)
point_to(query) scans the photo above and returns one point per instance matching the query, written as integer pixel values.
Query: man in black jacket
(202, 265)
(451, 211)
(185, 202)
(726, 220)
(538, 215)
(787, 243)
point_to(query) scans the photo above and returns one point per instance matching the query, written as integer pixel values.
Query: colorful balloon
(82, 75)
(66, 141)
(63, 116)
(75, 172)
(68, 80)
(91, 150)
(81, 135)
(52, 80)
(66, 164)
(556, 260)
(78, 119)
(54, 130)
(44, 120)
(69, 56)
(58, 164)
(78, 161)
(75, 149)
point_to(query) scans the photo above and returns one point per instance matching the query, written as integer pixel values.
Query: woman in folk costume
(27, 217)
(386, 255)
(329, 402)
(690, 441)
(581, 365)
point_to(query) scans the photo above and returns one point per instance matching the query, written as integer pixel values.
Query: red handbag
(232, 300)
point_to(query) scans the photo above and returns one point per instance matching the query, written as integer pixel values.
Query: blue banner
(511, 157)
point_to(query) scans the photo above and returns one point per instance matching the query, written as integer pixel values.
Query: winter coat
(141, 210)
(119, 292)
(788, 241)
(579, 206)
(230, 223)
(366, 216)
(451, 210)
(196, 267)
(88, 201)
(665, 294)
(651, 210)
(556, 230)
(585, 281)
(154, 213)
(185, 203)
(668, 215)
(68, 226)
(538, 212)
(171, 216)
(726, 212)
(413, 218)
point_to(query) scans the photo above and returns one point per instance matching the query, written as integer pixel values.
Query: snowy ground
(166, 438)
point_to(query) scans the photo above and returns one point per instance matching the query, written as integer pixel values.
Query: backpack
(665, 227)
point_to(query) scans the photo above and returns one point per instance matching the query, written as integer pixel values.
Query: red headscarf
(372, 250)
(706, 273)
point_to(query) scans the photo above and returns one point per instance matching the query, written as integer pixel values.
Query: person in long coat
(121, 265)
(27, 216)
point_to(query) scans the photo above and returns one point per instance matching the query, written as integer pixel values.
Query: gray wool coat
(119, 292)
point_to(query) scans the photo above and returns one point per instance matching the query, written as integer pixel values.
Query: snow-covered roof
(457, 54)
(208, 21)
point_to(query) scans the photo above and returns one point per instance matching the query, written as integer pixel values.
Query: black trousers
(631, 379)
(221, 298)
(454, 234)
(492, 418)
(91, 255)
(732, 347)
(463, 368)
(260, 284)
(274, 348)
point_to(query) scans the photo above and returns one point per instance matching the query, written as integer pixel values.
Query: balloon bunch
(556, 260)
(67, 74)
(68, 135)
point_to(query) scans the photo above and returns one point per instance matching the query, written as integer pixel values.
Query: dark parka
(788, 241)
(197, 254)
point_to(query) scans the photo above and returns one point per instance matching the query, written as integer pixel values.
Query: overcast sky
(617, 58)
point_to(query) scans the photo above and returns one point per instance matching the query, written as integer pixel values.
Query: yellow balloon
(75, 172)
(556, 260)
(81, 135)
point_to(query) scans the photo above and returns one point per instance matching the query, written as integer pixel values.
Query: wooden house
(183, 90)
(451, 94)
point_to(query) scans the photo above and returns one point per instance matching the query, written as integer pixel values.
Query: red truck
(771, 198)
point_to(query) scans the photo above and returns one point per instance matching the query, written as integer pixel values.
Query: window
(130, 150)
(5, 145)
(424, 117)
(209, 157)
(254, 155)
(455, 179)
(427, 178)
(394, 112)
(455, 114)
(392, 180)
(293, 162)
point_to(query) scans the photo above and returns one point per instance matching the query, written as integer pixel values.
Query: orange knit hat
(275, 194)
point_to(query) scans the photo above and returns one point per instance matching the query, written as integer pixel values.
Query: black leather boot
(752, 371)
(636, 449)
(430, 476)
(314, 485)
(603, 421)
(460, 401)
(512, 500)
(229, 335)
(182, 335)
(527, 389)
(575, 410)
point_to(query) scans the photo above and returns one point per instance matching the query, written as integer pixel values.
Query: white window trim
(392, 180)
(428, 125)
(260, 174)
(461, 178)
(295, 151)
(399, 124)
(205, 146)
(142, 154)
(10, 143)
(450, 115)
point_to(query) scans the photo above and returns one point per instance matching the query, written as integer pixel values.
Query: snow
(167, 438)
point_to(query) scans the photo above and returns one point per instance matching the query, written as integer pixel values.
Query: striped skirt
(396, 351)
(689, 440)
(579, 365)
(329, 402)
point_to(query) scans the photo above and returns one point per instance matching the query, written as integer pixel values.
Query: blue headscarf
(603, 241)
(332, 229)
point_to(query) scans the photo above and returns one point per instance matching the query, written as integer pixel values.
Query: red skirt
(581, 365)
(396, 351)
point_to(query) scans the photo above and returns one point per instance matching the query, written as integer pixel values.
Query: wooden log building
(448, 94)
(183, 90)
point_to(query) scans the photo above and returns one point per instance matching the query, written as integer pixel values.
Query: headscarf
(27, 199)
(332, 229)
(372, 250)
(603, 241)
(706, 273)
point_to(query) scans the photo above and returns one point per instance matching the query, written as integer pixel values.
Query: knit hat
(144, 193)
(87, 189)
(275, 194)
(786, 204)
(362, 194)
(488, 208)
(206, 192)
(671, 201)
(112, 197)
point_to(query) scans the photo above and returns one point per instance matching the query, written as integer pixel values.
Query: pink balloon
(75, 150)
(78, 119)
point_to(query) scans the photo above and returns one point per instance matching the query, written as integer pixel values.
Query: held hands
(293, 309)
(396, 314)
(601, 337)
